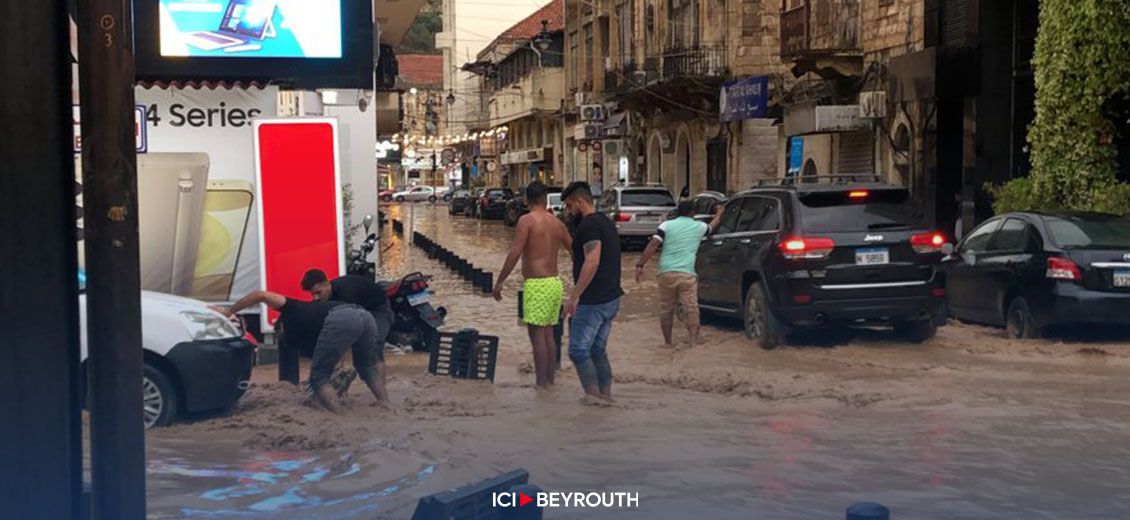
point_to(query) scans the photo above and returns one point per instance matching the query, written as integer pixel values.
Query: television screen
(297, 43)
(250, 28)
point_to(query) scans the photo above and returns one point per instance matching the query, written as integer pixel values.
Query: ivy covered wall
(1082, 67)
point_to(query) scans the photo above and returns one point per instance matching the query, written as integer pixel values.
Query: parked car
(492, 203)
(556, 205)
(637, 211)
(419, 193)
(517, 206)
(472, 209)
(704, 205)
(797, 256)
(1029, 271)
(195, 359)
(460, 199)
(386, 195)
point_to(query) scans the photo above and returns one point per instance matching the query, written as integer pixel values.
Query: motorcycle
(416, 322)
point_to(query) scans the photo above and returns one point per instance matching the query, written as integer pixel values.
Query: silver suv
(637, 210)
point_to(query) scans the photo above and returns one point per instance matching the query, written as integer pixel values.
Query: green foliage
(421, 35)
(1082, 63)
(347, 216)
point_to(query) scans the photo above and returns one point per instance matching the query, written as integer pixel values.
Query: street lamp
(543, 40)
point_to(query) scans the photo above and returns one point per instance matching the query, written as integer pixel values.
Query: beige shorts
(676, 289)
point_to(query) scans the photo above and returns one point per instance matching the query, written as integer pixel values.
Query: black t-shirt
(302, 322)
(358, 290)
(605, 285)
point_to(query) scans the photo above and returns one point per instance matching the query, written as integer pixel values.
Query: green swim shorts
(541, 301)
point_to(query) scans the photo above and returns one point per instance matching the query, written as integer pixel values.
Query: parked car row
(516, 207)
(791, 257)
(416, 194)
(486, 203)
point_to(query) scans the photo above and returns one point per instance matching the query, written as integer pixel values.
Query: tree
(1082, 86)
(421, 35)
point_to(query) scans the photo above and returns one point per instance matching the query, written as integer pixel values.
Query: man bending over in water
(329, 328)
(540, 237)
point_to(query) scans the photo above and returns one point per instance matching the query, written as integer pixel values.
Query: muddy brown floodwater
(968, 425)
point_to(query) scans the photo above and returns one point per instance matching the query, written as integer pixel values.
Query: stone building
(644, 79)
(522, 77)
(424, 119)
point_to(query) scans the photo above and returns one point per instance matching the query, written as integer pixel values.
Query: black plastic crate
(464, 355)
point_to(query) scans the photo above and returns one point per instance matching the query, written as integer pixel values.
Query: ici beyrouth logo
(573, 499)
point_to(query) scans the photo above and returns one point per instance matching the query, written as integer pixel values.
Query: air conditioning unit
(593, 113)
(613, 147)
(588, 132)
(873, 104)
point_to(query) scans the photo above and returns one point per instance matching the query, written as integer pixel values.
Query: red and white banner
(298, 184)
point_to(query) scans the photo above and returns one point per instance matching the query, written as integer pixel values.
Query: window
(605, 36)
(574, 60)
(704, 205)
(759, 214)
(587, 59)
(1012, 237)
(1094, 232)
(624, 19)
(730, 217)
(650, 198)
(978, 240)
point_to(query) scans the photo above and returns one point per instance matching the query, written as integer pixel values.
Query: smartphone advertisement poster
(250, 28)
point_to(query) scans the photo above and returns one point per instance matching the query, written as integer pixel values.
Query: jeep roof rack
(841, 179)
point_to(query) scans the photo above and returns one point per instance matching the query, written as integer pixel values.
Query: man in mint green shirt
(679, 239)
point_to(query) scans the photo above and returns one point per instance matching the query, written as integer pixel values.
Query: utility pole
(41, 429)
(113, 294)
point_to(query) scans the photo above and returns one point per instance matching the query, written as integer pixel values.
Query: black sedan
(492, 203)
(459, 202)
(1029, 271)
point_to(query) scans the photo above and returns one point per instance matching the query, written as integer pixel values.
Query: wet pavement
(968, 425)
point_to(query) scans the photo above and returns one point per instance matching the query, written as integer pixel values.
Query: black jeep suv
(804, 255)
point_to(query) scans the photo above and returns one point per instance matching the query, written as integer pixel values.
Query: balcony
(819, 28)
(693, 62)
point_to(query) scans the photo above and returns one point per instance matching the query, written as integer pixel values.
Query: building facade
(644, 92)
(424, 120)
(522, 77)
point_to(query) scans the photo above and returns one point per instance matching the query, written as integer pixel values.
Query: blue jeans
(588, 342)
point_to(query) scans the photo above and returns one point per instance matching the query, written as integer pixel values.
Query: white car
(195, 359)
(420, 193)
(553, 200)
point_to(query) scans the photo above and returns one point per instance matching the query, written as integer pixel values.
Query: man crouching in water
(332, 328)
(541, 236)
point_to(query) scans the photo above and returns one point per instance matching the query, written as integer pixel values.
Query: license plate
(1122, 278)
(648, 218)
(872, 256)
(419, 298)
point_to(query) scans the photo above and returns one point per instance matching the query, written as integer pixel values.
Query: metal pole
(113, 300)
(41, 429)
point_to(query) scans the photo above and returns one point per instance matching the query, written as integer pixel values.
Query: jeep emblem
(1126, 257)
(879, 238)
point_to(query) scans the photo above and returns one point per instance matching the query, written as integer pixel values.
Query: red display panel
(299, 195)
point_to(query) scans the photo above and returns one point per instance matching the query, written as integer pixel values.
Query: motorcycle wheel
(427, 340)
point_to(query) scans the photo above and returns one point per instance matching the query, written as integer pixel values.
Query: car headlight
(205, 325)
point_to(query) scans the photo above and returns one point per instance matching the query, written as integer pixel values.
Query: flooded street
(968, 425)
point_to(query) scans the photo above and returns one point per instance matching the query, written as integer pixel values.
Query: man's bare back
(545, 235)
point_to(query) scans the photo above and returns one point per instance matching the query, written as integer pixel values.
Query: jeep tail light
(802, 247)
(623, 217)
(924, 243)
(858, 194)
(1060, 268)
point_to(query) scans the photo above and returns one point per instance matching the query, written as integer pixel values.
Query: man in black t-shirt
(327, 328)
(595, 299)
(357, 290)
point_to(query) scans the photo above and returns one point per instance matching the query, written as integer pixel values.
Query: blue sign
(745, 98)
(796, 155)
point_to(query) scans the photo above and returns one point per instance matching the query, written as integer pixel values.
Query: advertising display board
(302, 43)
(217, 123)
(298, 189)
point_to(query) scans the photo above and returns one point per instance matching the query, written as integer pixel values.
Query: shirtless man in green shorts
(540, 238)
